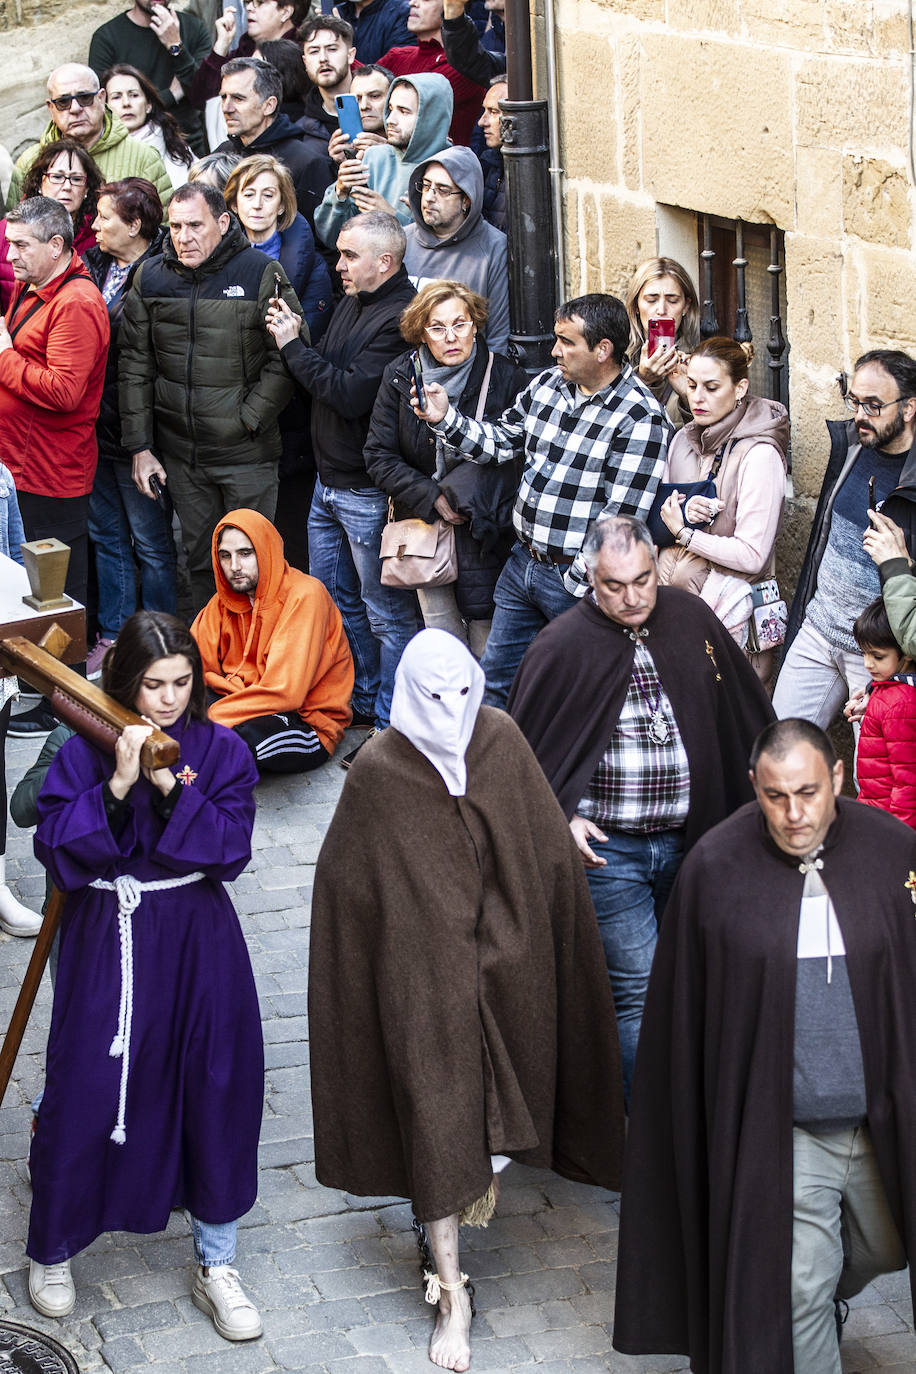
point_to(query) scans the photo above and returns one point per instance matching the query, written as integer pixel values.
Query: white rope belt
(130, 892)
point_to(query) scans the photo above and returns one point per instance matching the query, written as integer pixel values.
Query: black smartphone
(416, 372)
(278, 286)
(160, 493)
(872, 503)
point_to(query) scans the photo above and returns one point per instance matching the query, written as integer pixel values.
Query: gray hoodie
(391, 169)
(475, 254)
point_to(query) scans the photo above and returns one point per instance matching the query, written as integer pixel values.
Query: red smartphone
(661, 335)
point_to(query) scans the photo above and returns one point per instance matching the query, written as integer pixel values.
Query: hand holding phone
(872, 501)
(661, 335)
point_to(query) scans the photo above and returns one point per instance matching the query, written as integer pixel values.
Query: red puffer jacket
(886, 762)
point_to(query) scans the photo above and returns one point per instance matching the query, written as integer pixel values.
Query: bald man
(77, 109)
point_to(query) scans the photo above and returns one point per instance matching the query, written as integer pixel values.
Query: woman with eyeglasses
(445, 325)
(62, 171)
(136, 102)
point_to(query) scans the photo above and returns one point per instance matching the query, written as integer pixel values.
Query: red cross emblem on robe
(187, 776)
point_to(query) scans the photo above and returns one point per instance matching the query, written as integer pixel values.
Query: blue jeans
(214, 1243)
(345, 533)
(528, 594)
(122, 523)
(629, 894)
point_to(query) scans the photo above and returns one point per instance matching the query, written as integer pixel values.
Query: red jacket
(51, 383)
(886, 761)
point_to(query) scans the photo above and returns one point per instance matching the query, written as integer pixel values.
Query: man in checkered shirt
(593, 440)
(642, 711)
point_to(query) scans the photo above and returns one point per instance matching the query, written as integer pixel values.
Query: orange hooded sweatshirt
(287, 652)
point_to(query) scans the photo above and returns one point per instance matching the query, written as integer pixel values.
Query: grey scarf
(453, 380)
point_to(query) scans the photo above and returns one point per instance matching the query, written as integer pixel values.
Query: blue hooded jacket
(391, 169)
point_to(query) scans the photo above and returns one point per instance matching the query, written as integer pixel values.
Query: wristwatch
(174, 49)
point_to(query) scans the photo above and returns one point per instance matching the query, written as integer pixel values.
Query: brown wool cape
(706, 1218)
(459, 1003)
(569, 690)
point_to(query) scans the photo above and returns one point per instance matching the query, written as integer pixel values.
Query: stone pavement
(335, 1276)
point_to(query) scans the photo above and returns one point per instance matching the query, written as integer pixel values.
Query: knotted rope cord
(129, 891)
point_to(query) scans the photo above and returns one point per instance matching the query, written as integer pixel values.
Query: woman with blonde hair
(741, 441)
(424, 476)
(661, 289)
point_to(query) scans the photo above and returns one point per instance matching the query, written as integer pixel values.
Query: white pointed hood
(438, 688)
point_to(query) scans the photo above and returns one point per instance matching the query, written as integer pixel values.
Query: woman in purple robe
(155, 1064)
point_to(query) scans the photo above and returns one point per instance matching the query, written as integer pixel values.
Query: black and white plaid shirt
(640, 785)
(584, 456)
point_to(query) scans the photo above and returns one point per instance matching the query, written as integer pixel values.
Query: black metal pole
(532, 246)
(742, 328)
(776, 343)
(709, 325)
(529, 219)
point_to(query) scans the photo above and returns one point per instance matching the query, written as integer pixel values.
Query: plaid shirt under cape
(583, 455)
(640, 785)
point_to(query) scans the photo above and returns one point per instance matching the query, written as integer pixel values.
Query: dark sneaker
(362, 720)
(30, 724)
(348, 758)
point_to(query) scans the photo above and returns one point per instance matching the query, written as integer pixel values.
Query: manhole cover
(32, 1352)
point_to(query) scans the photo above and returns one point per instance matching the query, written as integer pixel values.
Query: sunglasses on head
(83, 98)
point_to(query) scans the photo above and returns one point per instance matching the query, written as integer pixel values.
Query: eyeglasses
(871, 408)
(83, 98)
(441, 331)
(427, 188)
(74, 178)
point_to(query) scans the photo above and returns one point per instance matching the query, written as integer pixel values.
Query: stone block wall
(35, 37)
(785, 112)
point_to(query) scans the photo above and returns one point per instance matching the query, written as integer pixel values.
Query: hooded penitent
(285, 652)
(459, 1005)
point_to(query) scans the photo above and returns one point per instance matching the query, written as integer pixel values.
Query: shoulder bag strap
(484, 389)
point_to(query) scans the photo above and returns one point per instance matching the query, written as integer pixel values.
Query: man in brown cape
(458, 1002)
(771, 1156)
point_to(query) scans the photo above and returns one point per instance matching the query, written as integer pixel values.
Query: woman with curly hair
(65, 172)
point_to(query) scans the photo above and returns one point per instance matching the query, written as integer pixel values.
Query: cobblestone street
(335, 1277)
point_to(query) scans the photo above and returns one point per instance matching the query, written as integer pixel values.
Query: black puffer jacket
(400, 455)
(200, 378)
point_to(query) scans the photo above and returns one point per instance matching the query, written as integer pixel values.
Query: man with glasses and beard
(870, 466)
(76, 104)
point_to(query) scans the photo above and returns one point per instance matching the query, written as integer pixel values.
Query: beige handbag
(415, 554)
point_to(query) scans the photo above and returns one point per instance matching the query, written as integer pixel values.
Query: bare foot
(450, 1345)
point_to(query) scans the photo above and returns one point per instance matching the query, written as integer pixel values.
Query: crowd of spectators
(255, 309)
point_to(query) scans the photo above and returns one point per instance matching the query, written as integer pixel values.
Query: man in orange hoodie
(274, 650)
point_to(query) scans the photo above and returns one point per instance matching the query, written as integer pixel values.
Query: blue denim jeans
(345, 533)
(124, 523)
(214, 1243)
(629, 894)
(528, 594)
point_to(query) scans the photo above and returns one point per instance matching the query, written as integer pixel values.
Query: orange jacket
(287, 652)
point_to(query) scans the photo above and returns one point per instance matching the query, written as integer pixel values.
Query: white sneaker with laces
(220, 1294)
(51, 1289)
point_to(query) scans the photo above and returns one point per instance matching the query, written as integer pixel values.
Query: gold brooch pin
(910, 886)
(712, 655)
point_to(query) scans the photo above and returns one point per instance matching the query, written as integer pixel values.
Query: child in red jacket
(886, 761)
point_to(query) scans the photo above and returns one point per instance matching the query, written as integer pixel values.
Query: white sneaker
(51, 1289)
(220, 1294)
(16, 919)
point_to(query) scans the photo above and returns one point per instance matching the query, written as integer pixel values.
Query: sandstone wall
(35, 37)
(785, 112)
